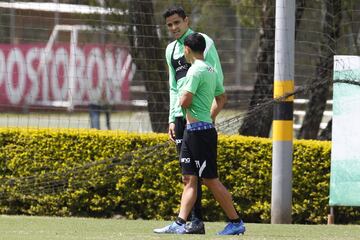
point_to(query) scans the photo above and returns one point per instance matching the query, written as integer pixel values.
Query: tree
(146, 49)
(259, 124)
(351, 12)
(326, 133)
(319, 93)
(148, 55)
(147, 52)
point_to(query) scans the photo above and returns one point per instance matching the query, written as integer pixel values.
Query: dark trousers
(94, 114)
(180, 125)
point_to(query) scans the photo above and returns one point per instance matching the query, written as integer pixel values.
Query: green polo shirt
(211, 56)
(202, 81)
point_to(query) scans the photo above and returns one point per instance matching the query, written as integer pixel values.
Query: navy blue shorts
(199, 152)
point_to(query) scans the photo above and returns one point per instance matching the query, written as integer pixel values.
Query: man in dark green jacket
(178, 25)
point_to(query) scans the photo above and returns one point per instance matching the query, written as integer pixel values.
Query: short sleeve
(219, 88)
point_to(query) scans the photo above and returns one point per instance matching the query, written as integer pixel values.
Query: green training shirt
(175, 50)
(203, 83)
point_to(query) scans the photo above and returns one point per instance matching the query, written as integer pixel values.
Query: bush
(102, 173)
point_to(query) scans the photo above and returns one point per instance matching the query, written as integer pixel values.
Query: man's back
(201, 81)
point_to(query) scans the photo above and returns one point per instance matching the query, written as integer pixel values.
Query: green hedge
(102, 173)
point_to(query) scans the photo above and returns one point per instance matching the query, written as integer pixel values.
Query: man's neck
(182, 36)
(196, 57)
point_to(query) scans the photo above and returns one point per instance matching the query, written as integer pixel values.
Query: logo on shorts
(178, 141)
(197, 162)
(185, 160)
(201, 167)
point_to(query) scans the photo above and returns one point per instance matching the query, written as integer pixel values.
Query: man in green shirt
(199, 148)
(178, 25)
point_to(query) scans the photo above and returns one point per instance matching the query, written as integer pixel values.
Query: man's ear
(187, 20)
(187, 50)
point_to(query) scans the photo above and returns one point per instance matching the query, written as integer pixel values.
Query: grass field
(46, 228)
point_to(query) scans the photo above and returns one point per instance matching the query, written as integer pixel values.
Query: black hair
(174, 10)
(196, 42)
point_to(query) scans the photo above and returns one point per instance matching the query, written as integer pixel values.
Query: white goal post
(115, 67)
(36, 79)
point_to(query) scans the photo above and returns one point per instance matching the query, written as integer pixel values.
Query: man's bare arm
(217, 105)
(186, 99)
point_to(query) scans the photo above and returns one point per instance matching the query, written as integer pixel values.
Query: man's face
(177, 26)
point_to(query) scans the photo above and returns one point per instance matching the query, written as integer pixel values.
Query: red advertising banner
(30, 76)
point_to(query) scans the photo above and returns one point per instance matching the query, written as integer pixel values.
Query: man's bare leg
(188, 196)
(222, 196)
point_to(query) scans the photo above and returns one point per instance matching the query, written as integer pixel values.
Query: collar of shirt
(198, 61)
(182, 38)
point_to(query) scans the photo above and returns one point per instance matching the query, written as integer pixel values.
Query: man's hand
(172, 131)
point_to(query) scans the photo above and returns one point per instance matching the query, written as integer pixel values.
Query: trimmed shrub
(102, 173)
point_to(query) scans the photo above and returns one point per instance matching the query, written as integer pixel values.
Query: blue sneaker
(233, 229)
(173, 228)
